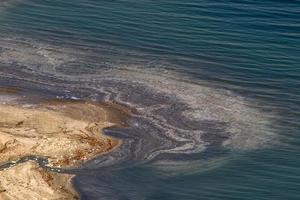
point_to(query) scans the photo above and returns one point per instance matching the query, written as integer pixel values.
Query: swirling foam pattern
(177, 121)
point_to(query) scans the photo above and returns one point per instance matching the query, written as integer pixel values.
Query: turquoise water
(247, 53)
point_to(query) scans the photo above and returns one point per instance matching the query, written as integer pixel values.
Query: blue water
(250, 48)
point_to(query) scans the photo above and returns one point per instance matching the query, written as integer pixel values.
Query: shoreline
(30, 181)
(66, 132)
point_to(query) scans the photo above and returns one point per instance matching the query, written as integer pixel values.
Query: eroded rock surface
(66, 133)
(29, 181)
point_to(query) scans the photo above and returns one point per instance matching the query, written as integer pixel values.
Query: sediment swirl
(176, 125)
(176, 120)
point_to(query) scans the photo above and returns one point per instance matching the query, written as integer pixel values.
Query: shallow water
(215, 86)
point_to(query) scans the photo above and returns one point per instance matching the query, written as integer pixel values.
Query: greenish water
(200, 73)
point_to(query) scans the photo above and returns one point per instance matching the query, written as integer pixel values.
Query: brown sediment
(67, 133)
(9, 90)
(118, 114)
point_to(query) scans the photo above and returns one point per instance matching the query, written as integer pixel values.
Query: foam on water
(7, 98)
(178, 120)
(5, 4)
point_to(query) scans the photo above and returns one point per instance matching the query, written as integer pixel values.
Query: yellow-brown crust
(67, 132)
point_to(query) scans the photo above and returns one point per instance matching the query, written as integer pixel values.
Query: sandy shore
(67, 133)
